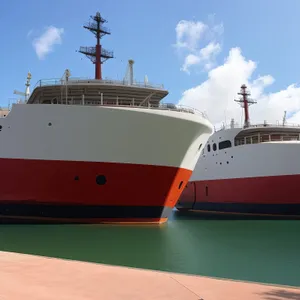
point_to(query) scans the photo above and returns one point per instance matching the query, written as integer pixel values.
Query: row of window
(222, 145)
(254, 139)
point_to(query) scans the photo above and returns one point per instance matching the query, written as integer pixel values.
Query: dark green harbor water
(264, 251)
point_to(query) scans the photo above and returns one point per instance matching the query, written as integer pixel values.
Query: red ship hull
(39, 191)
(264, 196)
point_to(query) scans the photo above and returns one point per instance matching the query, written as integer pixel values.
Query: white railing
(71, 81)
(175, 107)
(257, 125)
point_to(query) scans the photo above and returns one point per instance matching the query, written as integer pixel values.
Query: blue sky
(266, 32)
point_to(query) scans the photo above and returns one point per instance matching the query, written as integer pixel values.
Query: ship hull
(272, 196)
(257, 180)
(88, 192)
(80, 164)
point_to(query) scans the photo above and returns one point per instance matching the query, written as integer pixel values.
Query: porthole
(49, 124)
(214, 146)
(231, 156)
(228, 162)
(100, 179)
(76, 178)
(180, 184)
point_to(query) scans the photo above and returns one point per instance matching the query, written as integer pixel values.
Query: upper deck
(235, 135)
(268, 133)
(91, 91)
(95, 92)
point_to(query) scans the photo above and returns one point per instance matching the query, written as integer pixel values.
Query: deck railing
(258, 125)
(76, 81)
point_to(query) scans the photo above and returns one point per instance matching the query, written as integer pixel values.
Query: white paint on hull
(103, 134)
(249, 160)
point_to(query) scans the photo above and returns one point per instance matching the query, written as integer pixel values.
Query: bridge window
(214, 146)
(224, 144)
(208, 147)
(266, 137)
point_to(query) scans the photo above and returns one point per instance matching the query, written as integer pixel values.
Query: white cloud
(45, 43)
(191, 37)
(205, 56)
(189, 33)
(189, 61)
(216, 95)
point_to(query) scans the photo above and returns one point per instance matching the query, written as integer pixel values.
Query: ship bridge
(268, 133)
(96, 92)
(104, 93)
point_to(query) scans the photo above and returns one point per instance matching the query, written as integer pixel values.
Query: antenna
(232, 123)
(146, 80)
(27, 90)
(97, 54)
(284, 118)
(245, 102)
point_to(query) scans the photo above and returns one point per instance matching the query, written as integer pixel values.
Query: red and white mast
(97, 54)
(245, 102)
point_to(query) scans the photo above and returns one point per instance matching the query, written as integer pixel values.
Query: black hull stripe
(82, 211)
(244, 208)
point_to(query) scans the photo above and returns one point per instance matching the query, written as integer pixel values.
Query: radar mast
(97, 54)
(245, 102)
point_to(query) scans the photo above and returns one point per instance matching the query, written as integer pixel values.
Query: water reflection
(266, 251)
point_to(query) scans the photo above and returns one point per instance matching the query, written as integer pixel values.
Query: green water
(264, 251)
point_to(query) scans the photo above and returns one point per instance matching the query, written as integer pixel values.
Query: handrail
(74, 80)
(257, 125)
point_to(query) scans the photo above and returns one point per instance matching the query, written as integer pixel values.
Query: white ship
(249, 170)
(90, 151)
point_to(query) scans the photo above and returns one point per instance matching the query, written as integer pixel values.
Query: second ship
(92, 151)
(252, 170)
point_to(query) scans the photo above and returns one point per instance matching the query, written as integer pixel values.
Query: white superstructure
(260, 150)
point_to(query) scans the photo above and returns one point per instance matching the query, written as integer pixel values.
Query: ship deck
(91, 92)
(107, 91)
(34, 277)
